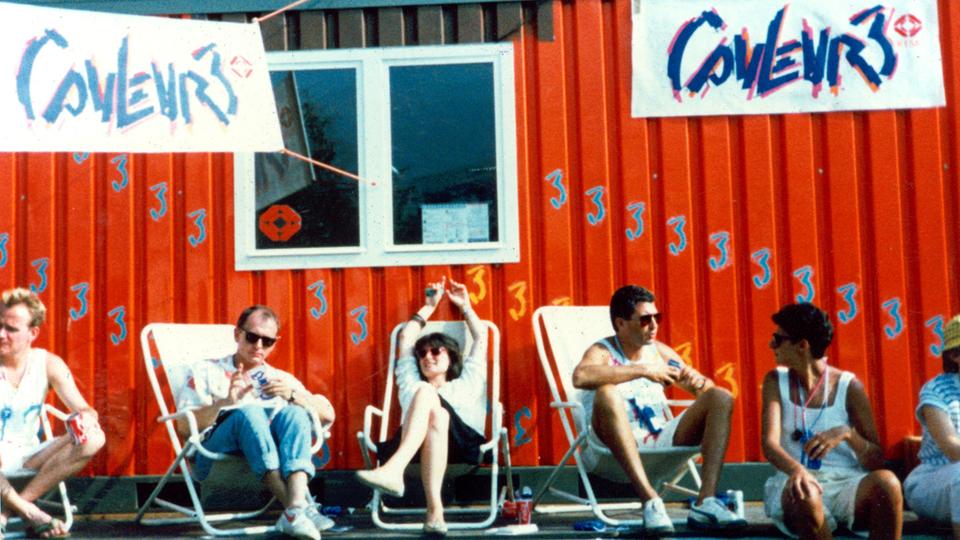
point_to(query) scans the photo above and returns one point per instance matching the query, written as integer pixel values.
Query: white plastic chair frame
(21, 474)
(498, 433)
(178, 346)
(581, 326)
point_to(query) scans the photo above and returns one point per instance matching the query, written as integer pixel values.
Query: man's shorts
(645, 441)
(13, 455)
(839, 498)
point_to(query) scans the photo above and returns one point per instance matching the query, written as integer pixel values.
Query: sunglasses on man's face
(435, 351)
(645, 320)
(254, 338)
(779, 338)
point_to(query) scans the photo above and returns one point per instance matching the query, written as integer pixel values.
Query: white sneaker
(713, 514)
(655, 518)
(295, 522)
(320, 521)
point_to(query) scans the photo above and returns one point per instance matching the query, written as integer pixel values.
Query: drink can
(735, 498)
(76, 429)
(260, 376)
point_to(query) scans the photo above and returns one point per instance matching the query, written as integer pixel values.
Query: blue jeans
(283, 443)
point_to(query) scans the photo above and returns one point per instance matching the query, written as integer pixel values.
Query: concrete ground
(357, 525)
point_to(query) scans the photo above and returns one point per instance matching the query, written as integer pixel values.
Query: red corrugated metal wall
(724, 218)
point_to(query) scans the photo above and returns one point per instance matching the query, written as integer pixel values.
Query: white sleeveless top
(636, 393)
(817, 420)
(20, 406)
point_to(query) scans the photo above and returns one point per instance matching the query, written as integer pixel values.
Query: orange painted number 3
(477, 273)
(683, 350)
(726, 373)
(519, 290)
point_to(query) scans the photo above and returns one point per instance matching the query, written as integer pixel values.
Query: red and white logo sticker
(908, 25)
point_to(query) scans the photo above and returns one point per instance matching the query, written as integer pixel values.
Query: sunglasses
(435, 351)
(645, 320)
(778, 339)
(254, 338)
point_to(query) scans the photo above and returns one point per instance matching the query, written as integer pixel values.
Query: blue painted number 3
(360, 313)
(521, 437)
(118, 313)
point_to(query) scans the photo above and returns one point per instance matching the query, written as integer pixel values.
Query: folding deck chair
(172, 348)
(20, 477)
(497, 432)
(563, 334)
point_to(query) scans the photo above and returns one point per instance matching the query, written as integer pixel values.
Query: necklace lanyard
(813, 392)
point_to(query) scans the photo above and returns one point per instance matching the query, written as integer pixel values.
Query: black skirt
(463, 442)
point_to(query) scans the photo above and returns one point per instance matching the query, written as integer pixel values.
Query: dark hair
(949, 362)
(438, 339)
(806, 321)
(264, 310)
(624, 302)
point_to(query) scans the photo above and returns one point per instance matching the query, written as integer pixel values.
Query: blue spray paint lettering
(679, 224)
(770, 66)
(721, 239)
(170, 96)
(849, 293)
(360, 314)
(521, 437)
(637, 210)
(4, 238)
(892, 307)
(324, 457)
(935, 324)
(596, 194)
(80, 157)
(160, 192)
(121, 163)
(198, 217)
(118, 313)
(556, 180)
(81, 289)
(804, 274)
(317, 288)
(41, 265)
(762, 258)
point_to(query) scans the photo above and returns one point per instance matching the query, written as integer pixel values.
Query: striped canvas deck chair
(563, 334)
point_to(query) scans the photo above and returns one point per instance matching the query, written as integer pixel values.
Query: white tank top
(817, 420)
(20, 406)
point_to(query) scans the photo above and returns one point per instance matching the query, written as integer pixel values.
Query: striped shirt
(941, 392)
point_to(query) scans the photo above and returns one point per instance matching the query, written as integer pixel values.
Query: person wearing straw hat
(933, 488)
(819, 433)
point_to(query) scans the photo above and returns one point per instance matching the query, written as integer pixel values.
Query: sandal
(39, 531)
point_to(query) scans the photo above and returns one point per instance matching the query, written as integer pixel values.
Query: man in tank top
(26, 375)
(626, 375)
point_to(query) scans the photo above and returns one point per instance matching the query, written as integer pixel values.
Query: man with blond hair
(26, 375)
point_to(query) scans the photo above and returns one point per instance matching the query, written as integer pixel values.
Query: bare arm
(861, 434)
(594, 371)
(942, 430)
(207, 414)
(460, 297)
(690, 379)
(287, 387)
(63, 383)
(801, 483)
(411, 331)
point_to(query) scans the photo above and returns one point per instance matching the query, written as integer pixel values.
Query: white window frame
(373, 132)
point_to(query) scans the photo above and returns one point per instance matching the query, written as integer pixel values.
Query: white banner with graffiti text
(83, 81)
(720, 57)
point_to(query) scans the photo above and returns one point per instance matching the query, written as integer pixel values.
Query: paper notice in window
(455, 223)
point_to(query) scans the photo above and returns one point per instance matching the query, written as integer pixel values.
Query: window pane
(444, 154)
(318, 116)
